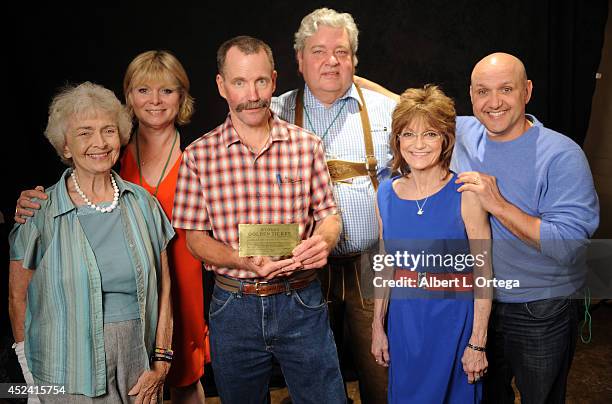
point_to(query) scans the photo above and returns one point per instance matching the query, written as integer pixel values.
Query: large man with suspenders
(355, 126)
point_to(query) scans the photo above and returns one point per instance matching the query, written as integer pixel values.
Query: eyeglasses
(428, 137)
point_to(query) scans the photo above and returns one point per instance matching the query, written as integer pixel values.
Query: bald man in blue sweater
(538, 188)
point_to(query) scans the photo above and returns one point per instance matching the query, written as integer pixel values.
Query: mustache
(253, 105)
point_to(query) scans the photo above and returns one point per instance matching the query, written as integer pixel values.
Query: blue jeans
(535, 343)
(247, 331)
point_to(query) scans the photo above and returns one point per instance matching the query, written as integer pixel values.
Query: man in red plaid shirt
(257, 169)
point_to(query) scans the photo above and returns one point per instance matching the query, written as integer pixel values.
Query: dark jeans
(247, 331)
(535, 343)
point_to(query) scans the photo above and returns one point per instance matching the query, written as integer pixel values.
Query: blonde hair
(81, 102)
(159, 66)
(331, 18)
(437, 109)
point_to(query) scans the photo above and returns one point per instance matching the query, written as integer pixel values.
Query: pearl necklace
(93, 205)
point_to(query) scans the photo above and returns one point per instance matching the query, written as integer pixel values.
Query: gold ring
(476, 181)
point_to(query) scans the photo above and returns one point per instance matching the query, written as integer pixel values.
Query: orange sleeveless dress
(190, 335)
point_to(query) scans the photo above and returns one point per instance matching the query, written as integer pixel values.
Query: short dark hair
(247, 45)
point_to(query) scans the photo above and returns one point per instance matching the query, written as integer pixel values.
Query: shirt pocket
(288, 199)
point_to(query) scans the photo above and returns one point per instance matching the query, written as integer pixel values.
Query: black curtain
(403, 43)
(575, 39)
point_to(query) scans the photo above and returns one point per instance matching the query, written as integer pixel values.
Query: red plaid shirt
(221, 184)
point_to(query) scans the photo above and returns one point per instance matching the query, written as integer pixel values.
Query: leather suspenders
(340, 169)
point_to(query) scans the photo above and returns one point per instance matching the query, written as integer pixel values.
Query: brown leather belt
(443, 281)
(267, 288)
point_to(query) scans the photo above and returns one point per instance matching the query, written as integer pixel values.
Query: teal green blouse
(64, 330)
(104, 232)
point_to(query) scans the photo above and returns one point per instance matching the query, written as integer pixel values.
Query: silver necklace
(110, 208)
(420, 211)
(419, 206)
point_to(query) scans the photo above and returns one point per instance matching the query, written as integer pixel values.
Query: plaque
(267, 240)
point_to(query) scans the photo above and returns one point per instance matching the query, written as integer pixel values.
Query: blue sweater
(546, 175)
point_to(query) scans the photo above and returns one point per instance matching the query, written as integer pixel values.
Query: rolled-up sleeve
(569, 207)
(26, 244)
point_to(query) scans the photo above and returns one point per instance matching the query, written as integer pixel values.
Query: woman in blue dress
(438, 316)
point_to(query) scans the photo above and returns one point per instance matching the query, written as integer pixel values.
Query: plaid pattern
(344, 140)
(221, 184)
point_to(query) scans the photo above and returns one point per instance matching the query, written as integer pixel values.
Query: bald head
(499, 91)
(500, 62)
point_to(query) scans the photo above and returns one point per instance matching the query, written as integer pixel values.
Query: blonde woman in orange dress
(156, 89)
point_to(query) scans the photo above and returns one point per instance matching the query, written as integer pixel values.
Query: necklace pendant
(420, 212)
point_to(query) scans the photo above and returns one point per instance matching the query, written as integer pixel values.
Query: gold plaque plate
(267, 240)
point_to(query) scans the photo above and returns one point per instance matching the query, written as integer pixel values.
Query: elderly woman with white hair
(89, 277)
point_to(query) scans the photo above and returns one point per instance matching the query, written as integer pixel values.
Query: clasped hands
(311, 253)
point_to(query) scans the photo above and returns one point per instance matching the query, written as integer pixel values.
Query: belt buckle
(261, 294)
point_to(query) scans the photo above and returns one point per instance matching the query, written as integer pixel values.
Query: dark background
(402, 44)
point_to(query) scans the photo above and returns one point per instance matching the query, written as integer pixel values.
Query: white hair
(331, 18)
(82, 101)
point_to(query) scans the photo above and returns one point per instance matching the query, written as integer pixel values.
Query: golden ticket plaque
(267, 240)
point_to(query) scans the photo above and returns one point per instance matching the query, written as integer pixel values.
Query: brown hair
(247, 45)
(159, 66)
(438, 110)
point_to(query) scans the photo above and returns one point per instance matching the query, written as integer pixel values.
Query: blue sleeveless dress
(427, 330)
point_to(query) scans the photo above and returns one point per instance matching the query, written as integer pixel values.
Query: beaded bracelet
(162, 354)
(476, 348)
(160, 358)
